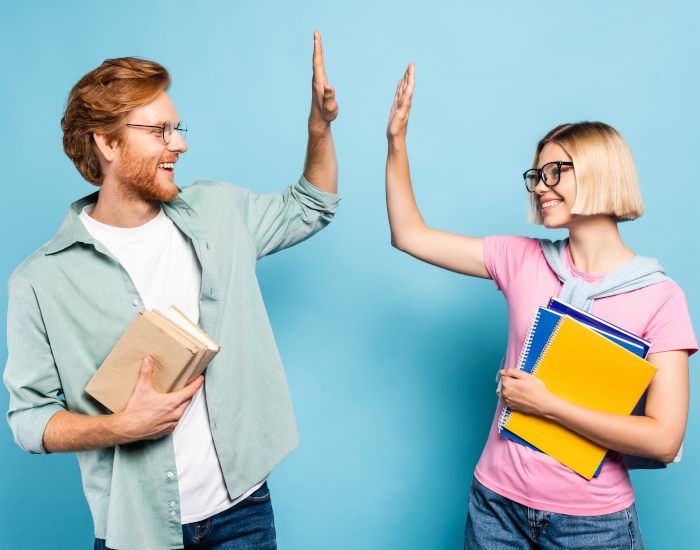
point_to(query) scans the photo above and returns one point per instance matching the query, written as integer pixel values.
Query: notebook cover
(543, 324)
(582, 367)
(599, 324)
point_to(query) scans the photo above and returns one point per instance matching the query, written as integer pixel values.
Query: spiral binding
(506, 412)
(547, 346)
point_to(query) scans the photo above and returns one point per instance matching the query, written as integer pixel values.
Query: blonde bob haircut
(606, 178)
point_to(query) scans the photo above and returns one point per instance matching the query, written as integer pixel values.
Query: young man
(187, 467)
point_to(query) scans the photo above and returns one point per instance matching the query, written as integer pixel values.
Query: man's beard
(138, 178)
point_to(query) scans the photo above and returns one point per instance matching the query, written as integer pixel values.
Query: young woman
(583, 179)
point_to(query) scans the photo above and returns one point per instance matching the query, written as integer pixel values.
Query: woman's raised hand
(398, 119)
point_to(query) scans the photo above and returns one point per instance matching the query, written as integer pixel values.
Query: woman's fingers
(410, 77)
(395, 105)
(407, 84)
(398, 118)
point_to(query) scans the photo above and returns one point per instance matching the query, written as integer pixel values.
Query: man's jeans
(495, 522)
(247, 525)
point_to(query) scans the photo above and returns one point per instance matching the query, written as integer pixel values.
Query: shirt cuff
(316, 198)
(31, 435)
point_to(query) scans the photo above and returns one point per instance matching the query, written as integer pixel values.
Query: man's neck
(118, 209)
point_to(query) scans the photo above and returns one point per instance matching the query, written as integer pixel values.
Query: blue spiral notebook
(614, 333)
(543, 324)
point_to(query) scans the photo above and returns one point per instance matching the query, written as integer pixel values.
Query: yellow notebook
(585, 368)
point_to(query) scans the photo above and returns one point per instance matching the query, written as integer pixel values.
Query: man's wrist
(319, 127)
(117, 425)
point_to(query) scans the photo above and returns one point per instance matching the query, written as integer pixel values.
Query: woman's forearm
(404, 217)
(658, 434)
(409, 233)
(637, 435)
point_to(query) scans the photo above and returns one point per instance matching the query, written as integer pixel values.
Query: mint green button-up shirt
(71, 301)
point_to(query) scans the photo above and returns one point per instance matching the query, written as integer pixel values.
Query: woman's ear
(106, 148)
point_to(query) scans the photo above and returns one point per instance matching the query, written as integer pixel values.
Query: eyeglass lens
(169, 128)
(550, 175)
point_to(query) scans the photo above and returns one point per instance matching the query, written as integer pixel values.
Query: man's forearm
(321, 169)
(69, 432)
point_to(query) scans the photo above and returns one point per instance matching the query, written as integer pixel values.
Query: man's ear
(107, 149)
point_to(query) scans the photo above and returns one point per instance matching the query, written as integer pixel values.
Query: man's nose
(177, 144)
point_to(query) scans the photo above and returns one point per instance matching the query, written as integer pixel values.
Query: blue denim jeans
(246, 526)
(496, 522)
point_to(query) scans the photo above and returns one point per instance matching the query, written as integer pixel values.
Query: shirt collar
(73, 230)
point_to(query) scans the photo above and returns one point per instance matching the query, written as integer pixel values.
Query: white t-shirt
(161, 262)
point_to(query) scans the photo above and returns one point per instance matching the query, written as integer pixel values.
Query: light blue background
(395, 404)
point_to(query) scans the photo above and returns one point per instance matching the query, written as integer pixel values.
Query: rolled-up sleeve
(30, 374)
(277, 221)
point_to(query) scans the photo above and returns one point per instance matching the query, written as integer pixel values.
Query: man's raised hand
(398, 119)
(324, 107)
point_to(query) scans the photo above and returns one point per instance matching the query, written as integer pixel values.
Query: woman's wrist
(550, 406)
(397, 143)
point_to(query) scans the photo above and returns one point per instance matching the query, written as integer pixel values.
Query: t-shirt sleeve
(505, 255)
(670, 327)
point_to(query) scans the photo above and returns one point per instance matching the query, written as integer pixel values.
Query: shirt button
(172, 513)
(170, 474)
(172, 503)
(136, 302)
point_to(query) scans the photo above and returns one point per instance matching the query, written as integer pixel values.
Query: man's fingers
(189, 390)
(328, 92)
(318, 52)
(146, 370)
(181, 408)
(319, 77)
(331, 110)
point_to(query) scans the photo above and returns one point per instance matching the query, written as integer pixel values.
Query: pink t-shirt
(658, 313)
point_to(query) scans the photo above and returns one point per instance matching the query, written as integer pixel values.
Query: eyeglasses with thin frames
(550, 174)
(167, 130)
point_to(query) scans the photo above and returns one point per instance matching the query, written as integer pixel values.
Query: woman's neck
(595, 245)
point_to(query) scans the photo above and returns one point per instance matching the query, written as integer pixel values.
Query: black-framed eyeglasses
(549, 174)
(168, 129)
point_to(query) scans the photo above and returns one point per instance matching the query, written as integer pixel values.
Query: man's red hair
(101, 102)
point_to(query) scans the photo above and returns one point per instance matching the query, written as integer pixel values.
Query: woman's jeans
(495, 522)
(247, 525)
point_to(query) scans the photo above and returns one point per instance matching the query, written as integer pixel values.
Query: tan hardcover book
(177, 353)
(184, 377)
(212, 348)
(186, 374)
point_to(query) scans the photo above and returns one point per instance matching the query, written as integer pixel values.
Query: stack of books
(584, 360)
(180, 351)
